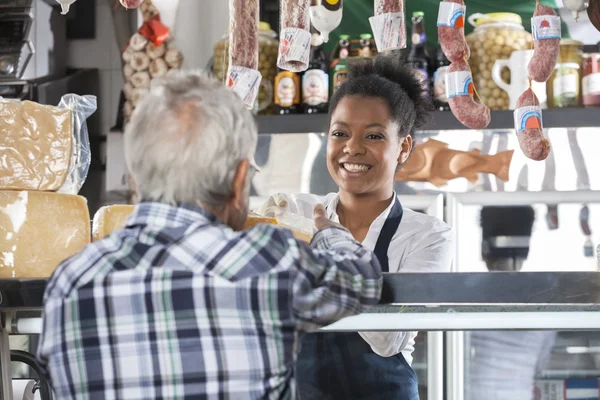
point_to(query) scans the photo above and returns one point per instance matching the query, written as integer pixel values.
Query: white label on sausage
(546, 27)
(591, 84)
(565, 85)
(294, 49)
(245, 82)
(389, 31)
(459, 83)
(529, 117)
(452, 14)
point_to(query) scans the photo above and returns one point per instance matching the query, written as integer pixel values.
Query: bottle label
(439, 83)
(452, 14)
(418, 38)
(294, 49)
(245, 82)
(315, 87)
(546, 27)
(459, 83)
(389, 31)
(344, 52)
(591, 84)
(529, 117)
(565, 85)
(287, 89)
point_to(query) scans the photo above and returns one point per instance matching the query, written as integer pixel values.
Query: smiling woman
(373, 117)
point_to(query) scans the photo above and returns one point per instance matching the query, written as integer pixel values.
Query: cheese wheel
(109, 219)
(36, 143)
(39, 230)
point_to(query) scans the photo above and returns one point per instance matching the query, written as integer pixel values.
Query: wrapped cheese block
(109, 219)
(112, 218)
(39, 230)
(43, 147)
(301, 227)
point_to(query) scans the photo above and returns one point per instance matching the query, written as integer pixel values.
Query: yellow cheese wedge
(109, 219)
(298, 234)
(39, 230)
(36, 143)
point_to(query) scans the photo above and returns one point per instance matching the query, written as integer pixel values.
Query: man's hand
(321, 220)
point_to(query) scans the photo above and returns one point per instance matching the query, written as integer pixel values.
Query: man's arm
(336, 278)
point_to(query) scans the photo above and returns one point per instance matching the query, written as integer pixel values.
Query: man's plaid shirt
(179, 306)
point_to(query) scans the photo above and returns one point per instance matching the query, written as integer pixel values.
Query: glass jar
(564, 85)
(495, 37)
(591, 80)
(268, 47)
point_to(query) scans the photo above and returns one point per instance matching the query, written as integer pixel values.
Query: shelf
(442, 120)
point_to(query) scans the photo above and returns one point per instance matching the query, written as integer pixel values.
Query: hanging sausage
(295, 37)
(389, 25)
(243, 75)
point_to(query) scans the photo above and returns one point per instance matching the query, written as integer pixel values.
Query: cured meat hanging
(546, 31)
(389, 25)
(459, 82)
(131, 3)
(295, 37)
(243, 75)
(451, 30)
(529, 128)
(326, 15)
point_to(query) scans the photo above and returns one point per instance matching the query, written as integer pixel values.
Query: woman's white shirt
(422, 243)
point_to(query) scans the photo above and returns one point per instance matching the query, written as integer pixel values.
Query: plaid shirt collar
(162, 215)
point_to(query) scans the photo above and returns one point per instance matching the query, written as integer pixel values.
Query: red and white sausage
(243, 75)
(528, 125)
(546, 32)
(295, 36)
(451, 30)
(388, 6)
(459, 91)
(389, 25)
(131, 3)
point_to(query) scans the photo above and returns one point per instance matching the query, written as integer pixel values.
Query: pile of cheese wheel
(144, 61)
(39, 227)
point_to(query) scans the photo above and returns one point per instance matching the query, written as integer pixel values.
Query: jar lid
(570, 42)
(344, 37)
(366, 36)
(490, 18)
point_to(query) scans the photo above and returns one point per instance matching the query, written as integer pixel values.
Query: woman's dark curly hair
(386, 77)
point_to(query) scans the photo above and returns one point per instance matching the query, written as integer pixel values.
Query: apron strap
(390, 227)
(388, 230)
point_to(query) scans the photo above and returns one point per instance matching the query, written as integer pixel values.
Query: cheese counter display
(40, 230)
(44, 161)
(109, 219)
(112, 218)
(45, 147)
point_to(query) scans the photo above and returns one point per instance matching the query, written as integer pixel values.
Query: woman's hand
(321, 220)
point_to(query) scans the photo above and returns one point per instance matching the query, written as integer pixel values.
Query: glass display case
(525, 231)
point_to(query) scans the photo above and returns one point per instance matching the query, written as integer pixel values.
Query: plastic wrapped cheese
(301, 227)
(39, 230)
(43, 147)
(109, 219)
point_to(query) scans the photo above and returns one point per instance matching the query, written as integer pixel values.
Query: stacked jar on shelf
(495, 37)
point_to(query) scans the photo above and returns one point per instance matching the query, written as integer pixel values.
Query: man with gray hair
(182, 303)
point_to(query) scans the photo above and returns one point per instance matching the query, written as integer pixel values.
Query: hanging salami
(243, 75)
(295, 37)
(389, 25)
(131, 3)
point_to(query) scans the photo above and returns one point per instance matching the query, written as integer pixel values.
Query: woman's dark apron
(341, 365)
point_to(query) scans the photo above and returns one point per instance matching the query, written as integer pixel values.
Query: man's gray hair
(186, 139)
